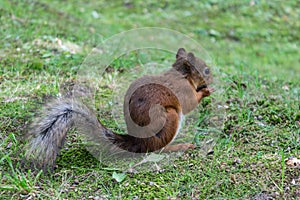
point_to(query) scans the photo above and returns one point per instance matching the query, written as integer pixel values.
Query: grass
(255, 46)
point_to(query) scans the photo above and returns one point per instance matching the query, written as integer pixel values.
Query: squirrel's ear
(181, 53)
(191, 58)
(189, 62)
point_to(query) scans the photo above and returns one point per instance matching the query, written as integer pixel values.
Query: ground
(255, 47)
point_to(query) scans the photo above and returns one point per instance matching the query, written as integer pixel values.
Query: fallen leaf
(119, 177)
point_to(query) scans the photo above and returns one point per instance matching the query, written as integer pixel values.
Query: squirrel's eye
(206, 71)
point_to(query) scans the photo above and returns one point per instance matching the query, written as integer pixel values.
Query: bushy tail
(48, 132)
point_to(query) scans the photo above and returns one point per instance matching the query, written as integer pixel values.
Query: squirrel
(154, 107)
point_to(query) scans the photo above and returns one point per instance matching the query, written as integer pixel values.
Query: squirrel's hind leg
(178, 147)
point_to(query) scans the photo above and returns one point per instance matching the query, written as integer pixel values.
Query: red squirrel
(154, 107)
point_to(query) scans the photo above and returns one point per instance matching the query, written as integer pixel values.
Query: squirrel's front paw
(207, 91)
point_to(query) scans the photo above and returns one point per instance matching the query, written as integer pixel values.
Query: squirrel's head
(193, 68)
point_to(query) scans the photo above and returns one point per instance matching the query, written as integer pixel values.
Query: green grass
(256, 48)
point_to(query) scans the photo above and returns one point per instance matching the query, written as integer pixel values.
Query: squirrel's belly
(181, 119)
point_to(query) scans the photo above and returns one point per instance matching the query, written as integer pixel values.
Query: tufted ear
(181, 53)
(184, 62)
(191, 58)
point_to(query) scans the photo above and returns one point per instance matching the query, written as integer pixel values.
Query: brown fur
(176, 92)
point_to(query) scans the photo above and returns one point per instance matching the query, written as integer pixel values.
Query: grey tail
(48, 132)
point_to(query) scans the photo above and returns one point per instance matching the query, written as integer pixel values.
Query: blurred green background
(254, 43)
